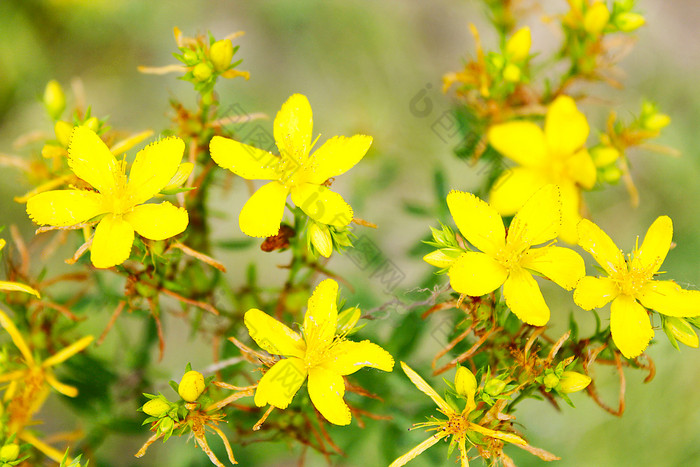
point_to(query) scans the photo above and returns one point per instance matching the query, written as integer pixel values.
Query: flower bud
(156, 407)
(54, 99)
(465, 382)
(611, 174)
(190, 56)
(596, 18)
(656, 121)
(166, 425)
(511, 73)
(681, 331)
(63, 131)
(221, 53)
(518, 46)
(551, 380)
(494, 387)
(442, 258)
(191, 386)
(628, 22)
(92, 123)
(9, 452)
(321, 239)
(604, 155)
(201, 72)
(347, 319)
(572, 381)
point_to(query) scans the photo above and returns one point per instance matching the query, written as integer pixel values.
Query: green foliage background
(360, 63)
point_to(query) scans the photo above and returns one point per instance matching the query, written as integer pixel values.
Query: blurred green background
(360, 63)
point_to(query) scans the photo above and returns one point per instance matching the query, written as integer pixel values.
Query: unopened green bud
(221, 53)
(518, 46)
(191, 386)
(347, 319)
(494, 387)
(183, 172)
(156, 407)
(166, 425)
(572, 381)
(201, 72)
(63, 131)
(596, 18)
(54, 99)
(511, 73)
(9, 452)
(681, 331)
(628, 22)
(611, 174)
(694, 320)
(604, 155)
(321, 239)
(551, 380)
(465, 382)
(190, 56)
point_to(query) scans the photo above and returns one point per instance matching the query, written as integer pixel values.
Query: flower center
(630, 281)
(457, 424)
(511, 255)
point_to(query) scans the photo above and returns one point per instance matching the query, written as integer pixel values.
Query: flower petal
(326, 390)
(321, 315)
(322, 204)
(656, 243)
(514, 187)
(570, 212)
(510, 437)
(153, 168)
(476, 274)
(427, 389)
(243, 160)
(581, 169)
(280, 383)
(565, 128)
(262, 214)
(292, 128)
(273, 336)
(595, 292)
(65, 207)
(418, 450)
(539, 219)
(563, 266)
(347, 357)
(158, 221)
(6, 286)
(520, 141)
(111, 244)
(337, 155)
(524, 298)
(668, 298)
(477, 221)
(596, 242)
(630, 326)
(89, 158)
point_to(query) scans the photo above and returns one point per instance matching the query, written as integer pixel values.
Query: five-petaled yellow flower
(556, 156)
(457, 425)
(318, 352)
(509, 259)
(630, 282)
(118, 199)
(294, 171)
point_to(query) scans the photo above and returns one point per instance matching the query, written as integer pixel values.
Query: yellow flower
(27, 389)
(556, 155)
(509, 260)
(294, 171)
(631, 282)
(319, 353)
(458, 424)
(118, 199)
